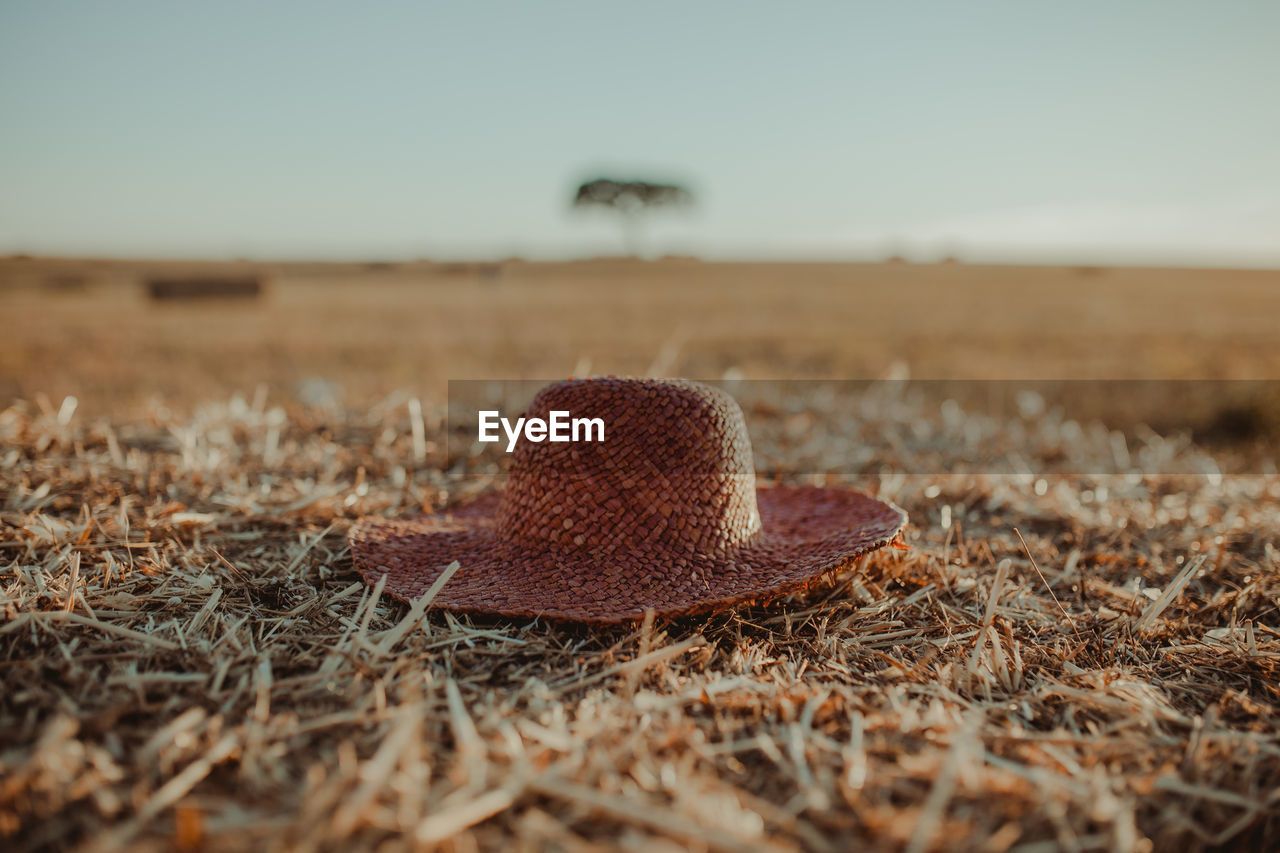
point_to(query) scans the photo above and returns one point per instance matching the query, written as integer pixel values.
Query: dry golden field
(374, 329)
(1062, 659)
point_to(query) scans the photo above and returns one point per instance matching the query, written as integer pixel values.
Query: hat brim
(808, 532)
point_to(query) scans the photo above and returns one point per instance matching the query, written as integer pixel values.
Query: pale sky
(1144, 132)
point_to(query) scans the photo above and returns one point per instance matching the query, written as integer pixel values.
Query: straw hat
(664, 514)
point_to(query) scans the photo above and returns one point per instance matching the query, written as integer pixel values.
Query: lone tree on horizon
(631, 199)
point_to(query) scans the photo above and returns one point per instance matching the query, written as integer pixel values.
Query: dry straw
(190, 661)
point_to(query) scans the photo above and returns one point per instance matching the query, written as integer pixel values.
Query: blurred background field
(356, 332)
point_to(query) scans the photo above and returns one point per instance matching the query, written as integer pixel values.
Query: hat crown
(673, 473)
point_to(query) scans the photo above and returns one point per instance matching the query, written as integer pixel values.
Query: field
(1061, 660)
(87, 328)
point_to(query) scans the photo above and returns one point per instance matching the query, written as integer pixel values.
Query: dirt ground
(1062, 659)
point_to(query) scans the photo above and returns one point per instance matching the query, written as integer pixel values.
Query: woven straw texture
(664, 514)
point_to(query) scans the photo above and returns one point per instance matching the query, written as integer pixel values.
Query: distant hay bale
(483, 271)
(204, 287)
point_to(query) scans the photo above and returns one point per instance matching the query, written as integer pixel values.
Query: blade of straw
(1170, 594)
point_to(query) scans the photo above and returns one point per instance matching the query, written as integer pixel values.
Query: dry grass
(189, 661)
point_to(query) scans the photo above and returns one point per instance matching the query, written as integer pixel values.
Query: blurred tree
(631, 199)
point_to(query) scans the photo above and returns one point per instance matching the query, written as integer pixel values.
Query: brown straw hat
(663, 514)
